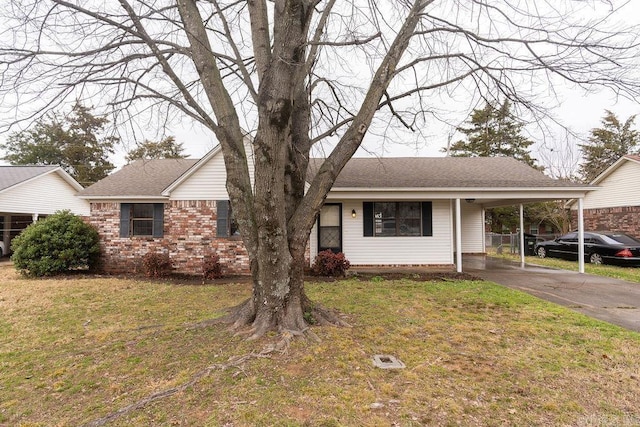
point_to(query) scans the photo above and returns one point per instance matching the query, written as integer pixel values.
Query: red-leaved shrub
(328, 263)
(211, 267)
(156, 265)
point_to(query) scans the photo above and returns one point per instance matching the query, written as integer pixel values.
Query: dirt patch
(437, 276)
(419, 277)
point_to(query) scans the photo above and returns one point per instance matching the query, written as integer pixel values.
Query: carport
(543, 190)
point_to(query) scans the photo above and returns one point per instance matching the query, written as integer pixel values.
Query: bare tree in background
(291, 74)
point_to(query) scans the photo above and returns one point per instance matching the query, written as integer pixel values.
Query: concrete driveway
(612, 300)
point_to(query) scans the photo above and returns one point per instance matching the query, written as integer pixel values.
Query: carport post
(521, 235)
(580, 236)
(458, 237)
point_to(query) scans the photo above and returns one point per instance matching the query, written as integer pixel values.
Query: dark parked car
(600, 247)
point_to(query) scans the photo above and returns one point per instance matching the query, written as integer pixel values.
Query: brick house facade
(624, 219)
(189, 235)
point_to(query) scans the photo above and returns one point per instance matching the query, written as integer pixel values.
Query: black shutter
(125, 216)
(222, 225)
(427, 219)
(367, 218)
(158, 219)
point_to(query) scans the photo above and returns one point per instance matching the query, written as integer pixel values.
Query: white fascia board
(608, 171)
(68, 178)
(538, 194)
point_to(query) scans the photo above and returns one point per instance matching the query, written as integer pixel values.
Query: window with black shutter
(393, 219)
(141, 219)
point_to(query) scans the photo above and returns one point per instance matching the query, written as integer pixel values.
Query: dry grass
(72, 351)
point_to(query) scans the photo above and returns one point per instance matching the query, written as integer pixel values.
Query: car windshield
(617, 239)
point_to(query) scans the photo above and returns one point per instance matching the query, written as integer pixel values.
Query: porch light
(353, 213)
(469, 200)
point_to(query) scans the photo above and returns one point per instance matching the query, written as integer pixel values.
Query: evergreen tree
(164, 149)
(607, 144)
(72, 142)
(493, 132)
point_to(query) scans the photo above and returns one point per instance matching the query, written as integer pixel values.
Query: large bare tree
(292, 74)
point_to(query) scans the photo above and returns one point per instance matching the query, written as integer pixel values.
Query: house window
(391, 219)
(141, 219)
(533, 229)
(226, 225)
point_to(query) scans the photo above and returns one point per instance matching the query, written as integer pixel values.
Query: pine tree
(493, 132)
(607, 144)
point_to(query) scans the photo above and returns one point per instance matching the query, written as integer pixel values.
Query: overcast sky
(580, 112)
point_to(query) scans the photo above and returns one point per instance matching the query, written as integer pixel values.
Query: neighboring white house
(387, 211)
(615, 204)
(30, 192)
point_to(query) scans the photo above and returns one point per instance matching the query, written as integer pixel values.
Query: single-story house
(31, 192)
(381, 211)
(615, 204)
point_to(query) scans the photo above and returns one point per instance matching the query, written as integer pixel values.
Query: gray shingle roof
(440, 172)
(12, 175)
(143, 178)
(148, 178)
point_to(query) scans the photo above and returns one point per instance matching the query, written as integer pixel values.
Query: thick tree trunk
(279, 302)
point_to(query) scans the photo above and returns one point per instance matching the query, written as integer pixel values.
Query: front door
(330, 228)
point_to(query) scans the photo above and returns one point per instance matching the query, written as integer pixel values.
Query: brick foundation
(625, 219)
(189, 236)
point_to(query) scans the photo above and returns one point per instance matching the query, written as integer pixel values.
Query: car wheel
(595, 258)
(542, 252)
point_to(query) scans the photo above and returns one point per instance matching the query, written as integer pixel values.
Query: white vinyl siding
(44, 195)
(209, 182)
(418, 250)
(472, 228)
(618, 189)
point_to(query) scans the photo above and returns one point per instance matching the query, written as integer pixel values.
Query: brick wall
(189, 235)
(625, 219)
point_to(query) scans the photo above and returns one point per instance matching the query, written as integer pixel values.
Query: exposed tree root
(243, 321)
(234, 362)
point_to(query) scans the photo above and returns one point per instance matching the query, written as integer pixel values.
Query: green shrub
(156, 265)
(211, 267)
(56, 245)
(328, 263)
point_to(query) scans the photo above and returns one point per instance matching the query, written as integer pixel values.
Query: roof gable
(11, 176)
(616, 165)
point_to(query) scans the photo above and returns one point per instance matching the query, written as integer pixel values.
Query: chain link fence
(498, 243)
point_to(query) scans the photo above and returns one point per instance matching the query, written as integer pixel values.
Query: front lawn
(75, 351)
